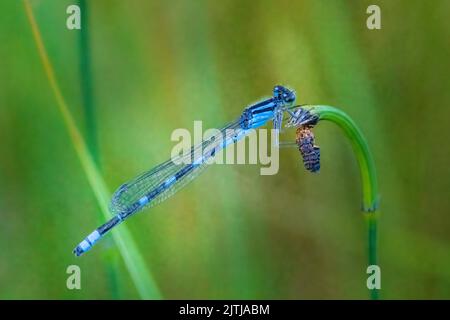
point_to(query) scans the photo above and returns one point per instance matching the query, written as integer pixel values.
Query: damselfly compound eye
(284, 94)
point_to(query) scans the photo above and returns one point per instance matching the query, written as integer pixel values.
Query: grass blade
(86, 83)
(142, 278)
(110, 257)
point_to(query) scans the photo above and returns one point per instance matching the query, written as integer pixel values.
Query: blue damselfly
(158, 184)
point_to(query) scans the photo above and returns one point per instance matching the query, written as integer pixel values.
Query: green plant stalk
(134, 262)
(367, 172)
(86, 83)
(110, 258)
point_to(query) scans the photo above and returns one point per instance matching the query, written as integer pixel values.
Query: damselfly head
(284, 94)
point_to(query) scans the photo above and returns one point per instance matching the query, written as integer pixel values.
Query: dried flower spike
(309, 151)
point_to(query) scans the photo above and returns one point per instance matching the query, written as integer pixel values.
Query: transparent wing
(169, 177)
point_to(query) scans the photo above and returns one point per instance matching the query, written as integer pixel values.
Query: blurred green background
(160, 65)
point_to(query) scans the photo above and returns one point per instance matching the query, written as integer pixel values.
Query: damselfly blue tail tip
(87, 243)
(78, 251)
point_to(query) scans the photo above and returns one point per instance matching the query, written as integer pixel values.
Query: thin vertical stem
(87, 93)
(86, 82)
(372, 225)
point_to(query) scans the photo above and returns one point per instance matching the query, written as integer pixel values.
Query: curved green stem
(367, 172)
